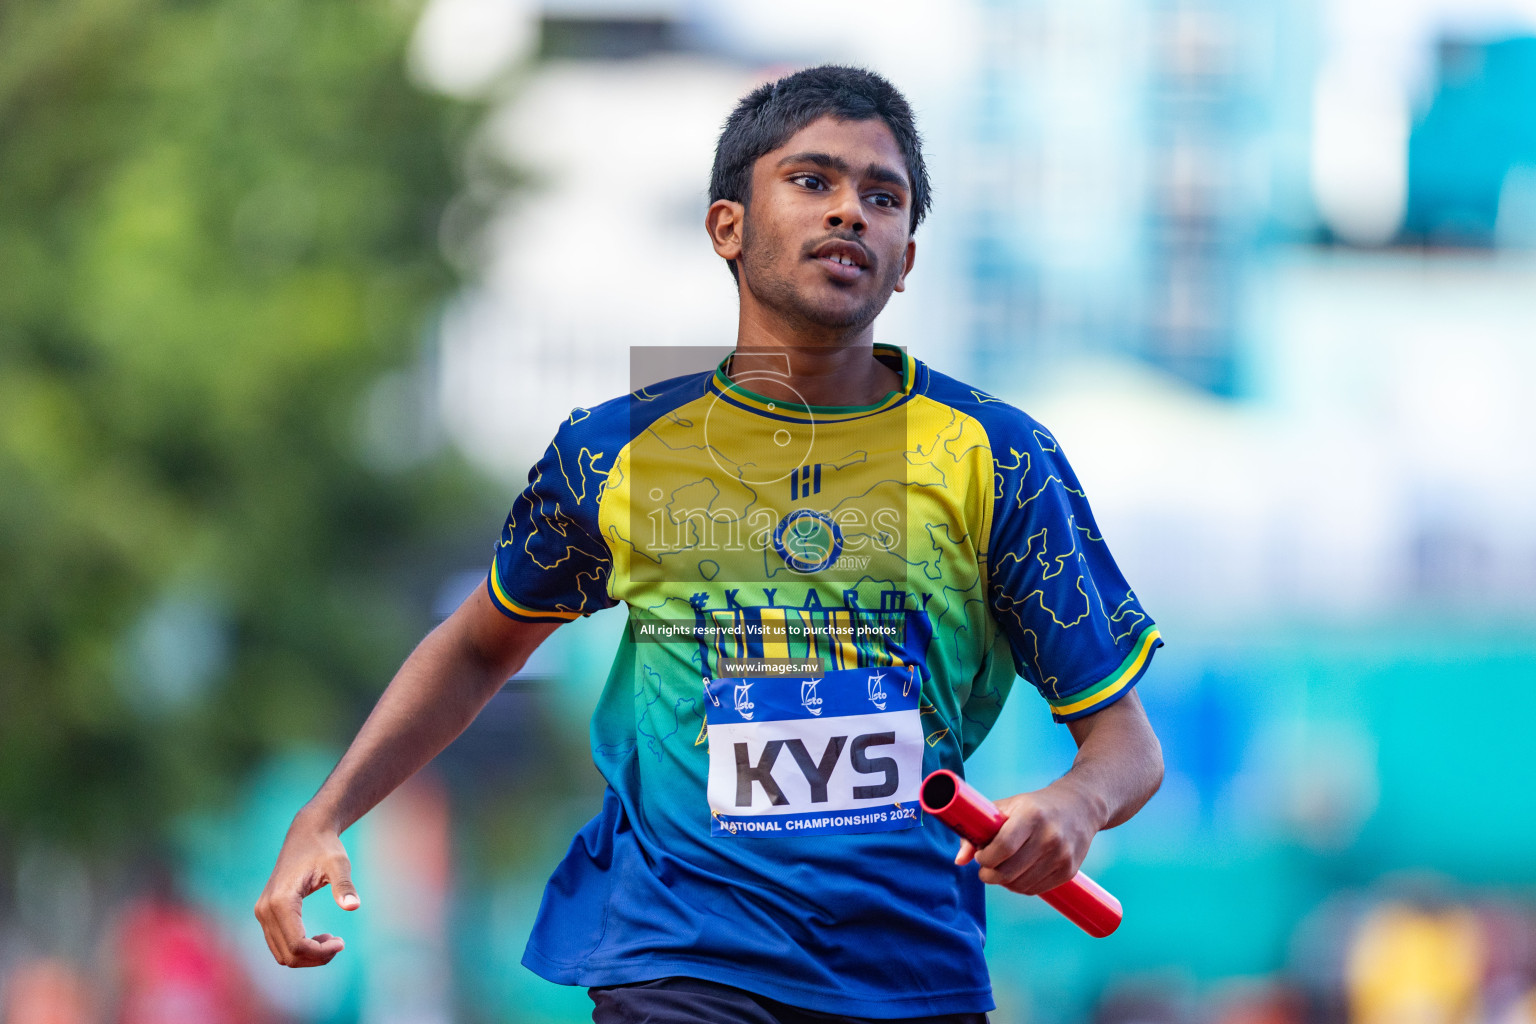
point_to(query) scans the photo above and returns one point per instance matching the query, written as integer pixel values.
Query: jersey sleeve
(551, 564)
(1076, 629)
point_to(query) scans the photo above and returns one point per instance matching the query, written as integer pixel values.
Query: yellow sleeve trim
(1128, 672)
(512, 606)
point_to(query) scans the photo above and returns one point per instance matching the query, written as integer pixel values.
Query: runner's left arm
(1119, 766)
(1079, 634)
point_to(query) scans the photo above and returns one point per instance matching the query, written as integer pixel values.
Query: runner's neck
(833, 376)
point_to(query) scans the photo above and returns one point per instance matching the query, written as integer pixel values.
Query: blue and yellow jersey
(825, 604)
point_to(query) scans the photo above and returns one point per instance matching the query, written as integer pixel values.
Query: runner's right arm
(444, 683)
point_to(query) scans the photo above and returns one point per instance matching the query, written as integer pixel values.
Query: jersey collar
(735, 394)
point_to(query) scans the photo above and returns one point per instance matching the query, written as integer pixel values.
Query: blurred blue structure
(1472, 155)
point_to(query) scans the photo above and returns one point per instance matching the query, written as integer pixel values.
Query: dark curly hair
(768, 115)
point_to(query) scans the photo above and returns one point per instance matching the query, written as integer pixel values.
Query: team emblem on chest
(807, 540)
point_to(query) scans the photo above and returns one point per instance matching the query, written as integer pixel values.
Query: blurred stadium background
(292, 292)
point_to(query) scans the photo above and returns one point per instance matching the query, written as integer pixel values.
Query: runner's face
(825, 238)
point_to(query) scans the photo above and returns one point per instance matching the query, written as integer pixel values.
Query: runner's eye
(809, 181)
(884, 199)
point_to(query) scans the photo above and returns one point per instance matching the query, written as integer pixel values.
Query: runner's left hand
(1042, 844)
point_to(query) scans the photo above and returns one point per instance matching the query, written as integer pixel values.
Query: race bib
(798, 756)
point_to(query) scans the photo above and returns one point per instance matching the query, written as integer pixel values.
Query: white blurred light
(613, 8)
(463, 47)
(1360, 153)
(919, 45)
(607, 251)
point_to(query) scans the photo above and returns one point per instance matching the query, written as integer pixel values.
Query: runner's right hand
(312, 857)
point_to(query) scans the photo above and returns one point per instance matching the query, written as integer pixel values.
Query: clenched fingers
(1023, 820)
(1045, 861)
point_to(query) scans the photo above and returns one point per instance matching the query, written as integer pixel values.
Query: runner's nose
(847, 211)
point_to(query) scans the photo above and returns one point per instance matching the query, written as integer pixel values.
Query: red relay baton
(957, 804)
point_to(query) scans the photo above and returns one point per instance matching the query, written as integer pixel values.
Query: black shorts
(691, 1001)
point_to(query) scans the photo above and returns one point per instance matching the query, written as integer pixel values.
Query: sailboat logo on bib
(877, 695)
(744, 703)
(807, 540)
(808, 698)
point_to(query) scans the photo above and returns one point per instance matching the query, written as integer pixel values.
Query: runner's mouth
(845, 261)
(840, 270)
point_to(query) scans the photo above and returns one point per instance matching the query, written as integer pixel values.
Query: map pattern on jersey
(939, 535)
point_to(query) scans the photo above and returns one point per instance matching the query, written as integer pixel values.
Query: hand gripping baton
(957, 804)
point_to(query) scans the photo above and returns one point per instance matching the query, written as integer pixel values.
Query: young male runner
(836, 562)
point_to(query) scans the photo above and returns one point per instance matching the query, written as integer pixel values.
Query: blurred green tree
(222, 515)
